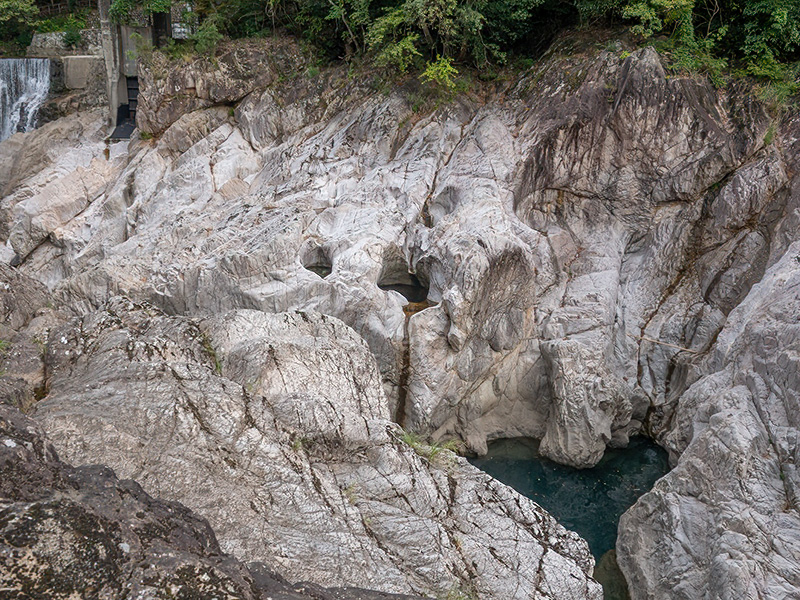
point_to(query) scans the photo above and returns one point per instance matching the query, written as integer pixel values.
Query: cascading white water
(24, 85)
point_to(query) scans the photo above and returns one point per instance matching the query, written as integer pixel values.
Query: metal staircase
(126, 113)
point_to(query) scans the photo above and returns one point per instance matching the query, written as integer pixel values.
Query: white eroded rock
(532, 228)
(724, 522)
(275, 428)
(579, 240)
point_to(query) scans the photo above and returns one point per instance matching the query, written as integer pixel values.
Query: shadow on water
(588, 501)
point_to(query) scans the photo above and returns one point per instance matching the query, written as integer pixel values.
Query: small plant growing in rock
(212, 353)
(770, 135)
(206, 37)
(437, 453)
(3, 349)
(301, 444)
(442, 74)
(72, 33)
(458, 593)
(351, 493)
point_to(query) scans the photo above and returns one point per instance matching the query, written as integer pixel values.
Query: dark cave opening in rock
(587, 501)
(316, 260)
(413, 286)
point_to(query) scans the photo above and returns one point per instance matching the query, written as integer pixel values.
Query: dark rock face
(80, 532)
(169, 89)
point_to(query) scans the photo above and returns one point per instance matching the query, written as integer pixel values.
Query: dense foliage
(755, 37)
(759, 37)
(16, 20)
(122, 9)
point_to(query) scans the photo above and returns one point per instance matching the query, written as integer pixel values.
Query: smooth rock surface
(588, 237)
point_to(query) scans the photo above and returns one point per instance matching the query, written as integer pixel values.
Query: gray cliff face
(731, 503)
(558, 234)
(600, 249)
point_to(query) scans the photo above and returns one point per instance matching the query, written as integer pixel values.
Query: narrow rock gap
(397, 276)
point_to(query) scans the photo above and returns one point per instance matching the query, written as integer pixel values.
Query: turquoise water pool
(589, 501)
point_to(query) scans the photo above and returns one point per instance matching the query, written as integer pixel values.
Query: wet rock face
(80, 532)
(275, 427)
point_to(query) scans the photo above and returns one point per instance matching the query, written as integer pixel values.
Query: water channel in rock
(588, 501)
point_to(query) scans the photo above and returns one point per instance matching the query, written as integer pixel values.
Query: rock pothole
(397, 277)
(317, 260)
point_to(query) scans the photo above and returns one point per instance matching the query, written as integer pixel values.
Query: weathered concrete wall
(79, 71)
(76, 83)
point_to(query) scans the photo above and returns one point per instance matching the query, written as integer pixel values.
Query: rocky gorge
(248, 306)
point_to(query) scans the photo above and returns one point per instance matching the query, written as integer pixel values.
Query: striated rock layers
(580, 248)
(276, 429)
(724, 523)
(83, 533)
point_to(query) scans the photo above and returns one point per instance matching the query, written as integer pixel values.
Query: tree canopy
(760, 36)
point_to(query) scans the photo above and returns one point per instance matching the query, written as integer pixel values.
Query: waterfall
(24, 85)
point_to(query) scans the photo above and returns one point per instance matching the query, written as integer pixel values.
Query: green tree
(441, 73)
(19, 12)
(771, 28)
(16, 20)
(121, 10)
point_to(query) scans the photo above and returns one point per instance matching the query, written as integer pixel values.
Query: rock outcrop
(733, 496)
(26, 316)
(553, 237)
(80, 532)
(570, 257)
(275, 427)
(170, 90)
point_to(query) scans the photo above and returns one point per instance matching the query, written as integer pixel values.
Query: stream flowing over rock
(594, 250)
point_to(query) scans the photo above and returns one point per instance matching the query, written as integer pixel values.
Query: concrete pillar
(111, 56)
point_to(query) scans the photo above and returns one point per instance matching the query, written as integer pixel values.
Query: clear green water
(589, 501)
